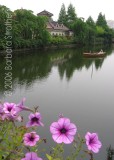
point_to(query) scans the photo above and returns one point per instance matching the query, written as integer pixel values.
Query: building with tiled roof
(45, 13)
(55, 28)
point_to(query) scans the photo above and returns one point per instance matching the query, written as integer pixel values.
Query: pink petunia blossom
(20, 106)
(93, 142)
(9, 108)
(12, 117)
(63, 131)
(10, 112)
(34, 120)
(30, 139)
(31, 156)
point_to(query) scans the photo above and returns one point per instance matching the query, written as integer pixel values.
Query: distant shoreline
(42, 48)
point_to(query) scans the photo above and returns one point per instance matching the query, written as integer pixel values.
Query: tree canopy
(71, 15)
(101, 21)
(62, 15)
(29, 30)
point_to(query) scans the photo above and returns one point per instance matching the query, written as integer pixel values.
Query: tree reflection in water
(37, 66)
(110, 153)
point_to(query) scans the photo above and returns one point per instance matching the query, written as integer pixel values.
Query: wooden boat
(94, 55)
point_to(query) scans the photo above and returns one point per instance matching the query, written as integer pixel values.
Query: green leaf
(49, 157)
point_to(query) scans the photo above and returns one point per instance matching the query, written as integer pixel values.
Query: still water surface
(62, 81)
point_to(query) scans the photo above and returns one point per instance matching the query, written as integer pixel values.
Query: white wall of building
(57, 33)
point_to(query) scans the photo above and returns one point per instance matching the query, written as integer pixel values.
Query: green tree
(23, 26)
(100, 30)
(90, 22)
(101, 21)
(91, 29)
(4, 12)
(71, 15)
(80, 31)
(29, 30)
(62, 15)
(103, 30)
(41, 34)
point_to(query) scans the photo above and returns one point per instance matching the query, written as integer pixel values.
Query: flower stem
(78, 149)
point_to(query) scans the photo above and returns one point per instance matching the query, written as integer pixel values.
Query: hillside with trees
(86, 32)
(29, 30)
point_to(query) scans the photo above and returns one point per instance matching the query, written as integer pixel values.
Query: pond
(63, 81)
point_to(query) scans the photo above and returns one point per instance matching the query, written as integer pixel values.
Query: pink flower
(12, 117)
(10, 112)
(20, 107)
(34, 120)
(93, 142)
(9, 108)
(31, 156)
(30, 139)
(63, 131)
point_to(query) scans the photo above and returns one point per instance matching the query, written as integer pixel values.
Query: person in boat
(101, 51)
(91, 52)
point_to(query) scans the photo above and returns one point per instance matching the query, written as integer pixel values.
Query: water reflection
(28, 68)
(110, 153)
(60, 82)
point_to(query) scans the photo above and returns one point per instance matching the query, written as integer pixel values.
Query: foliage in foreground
(21, 142)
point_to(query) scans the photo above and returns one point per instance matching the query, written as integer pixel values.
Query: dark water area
(63, 81)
